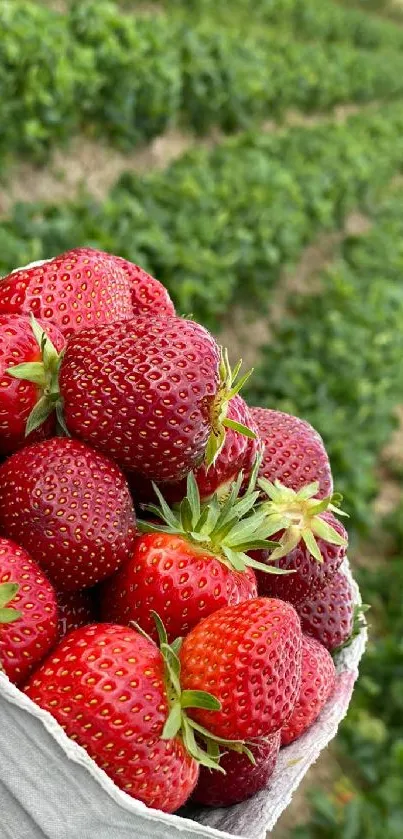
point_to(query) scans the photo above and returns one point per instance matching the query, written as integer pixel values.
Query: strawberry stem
(229, 386)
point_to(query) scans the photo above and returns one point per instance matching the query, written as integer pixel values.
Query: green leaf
(255, 545)
(268, 569)
(240, 428)
(166, 511)
(186, 514)
(61, 421)
(235, 559)
(237, 386)
(176, 645)
(162, 635)
(311, 544)
(309, 491)
(173, 723)
(7, 593)
(199, 699)
(214, 445)
(194, 497)
(327, 532)
(202, 520)
(32, 371)
(9, 615)
(39, 414)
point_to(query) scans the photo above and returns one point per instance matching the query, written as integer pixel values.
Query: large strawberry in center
(151, 393)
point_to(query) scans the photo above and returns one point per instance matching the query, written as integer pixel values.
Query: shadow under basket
(51, 789)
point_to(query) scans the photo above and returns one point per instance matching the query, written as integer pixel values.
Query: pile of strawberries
(169, 557)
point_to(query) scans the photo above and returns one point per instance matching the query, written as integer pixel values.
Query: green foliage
(219, 225)
(337, 359)
(127, 78)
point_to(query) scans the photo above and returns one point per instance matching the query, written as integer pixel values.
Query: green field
(226, 224)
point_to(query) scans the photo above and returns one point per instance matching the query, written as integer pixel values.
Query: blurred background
(249, 154)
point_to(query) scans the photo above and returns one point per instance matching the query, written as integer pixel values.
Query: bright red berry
(81, 287)
(242, 778)
(70, 508)
(148, 294)
(106, 686)
(318, 679)
(20, 346)
(249, 657)
(76, 609)
(328, 614)
(294, 453)
(28, 612)
(152, 393)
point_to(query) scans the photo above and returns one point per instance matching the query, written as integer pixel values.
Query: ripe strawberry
(249, 657)
(294, 453)
(23, 342)
(148, 294)
(318, 679)
(28, 612)
(106, 686)
(189, 566)
(79, 288)
(296, 519)
(76, 608)
(71, 508)
(328, 614)
(242, 779)
(153, 393)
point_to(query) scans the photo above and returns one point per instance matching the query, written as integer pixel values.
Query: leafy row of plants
(337, 357)
(312, 19)
(128, 78)
(219, 225)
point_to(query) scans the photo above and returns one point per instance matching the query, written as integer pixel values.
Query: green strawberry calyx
(200, 743)
(298, 515)
(8, 614)
(45, 375)
(228, 530)
(230, 384)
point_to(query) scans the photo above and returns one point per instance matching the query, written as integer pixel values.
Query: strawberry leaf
(7, 593)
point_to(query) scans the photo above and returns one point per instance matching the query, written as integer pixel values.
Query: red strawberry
(71, 508)
(188, 567)
(148, 294)
(294, 453)
(242, 779)
(107, 687)
(76, 608)
(21, 344)
(79, 288)
(318, 679)
(153, 393)
(249, 657)
(238, 454)
(297, 518)
(328, 614)
(28, 612)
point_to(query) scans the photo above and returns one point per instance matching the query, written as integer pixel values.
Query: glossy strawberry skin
(148, 294)
(309, 574)
(76, 289)
(318, 680)
(249, 657)
(328, 615)
(143, 391)
(76, 609)
(238, 454)
(179, 581)
(70, 508)
(242, 778)
(25, 642)
(17, 397)
(294, 452)
(105, 686)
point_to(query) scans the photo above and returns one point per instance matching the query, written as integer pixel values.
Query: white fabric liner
(123, 816)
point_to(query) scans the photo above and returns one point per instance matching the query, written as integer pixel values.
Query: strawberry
(79, 288)
(242, 778)
(189, 566)
(120, 697)
(22, 343)
(296, 519)
(152, 393)
(328, 614)
(76, 608)
(28, 613)
(238, 454)
(249, 657)
(70, 508)
(294, 453)
(318, 680)
(148, 294)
